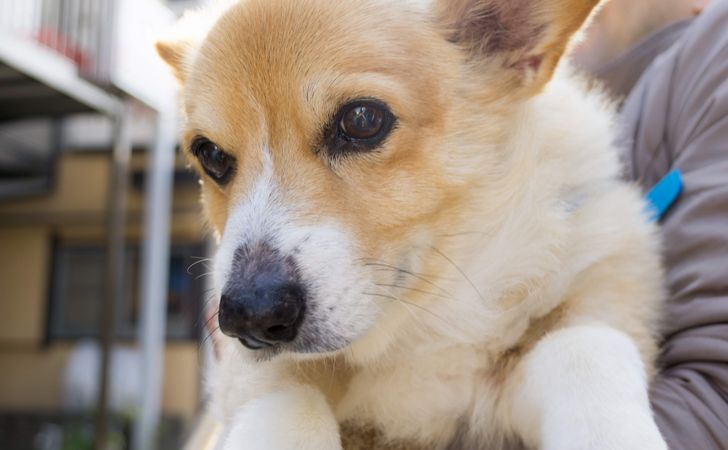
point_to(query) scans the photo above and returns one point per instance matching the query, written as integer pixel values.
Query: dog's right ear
(527, 37)
(178, 47)
(174, 53)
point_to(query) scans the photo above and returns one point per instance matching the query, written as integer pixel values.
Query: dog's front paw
(620, 430)
(297, 418)
(636, 442)
(641, 434)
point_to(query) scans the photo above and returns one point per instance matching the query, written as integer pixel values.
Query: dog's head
(337, 142)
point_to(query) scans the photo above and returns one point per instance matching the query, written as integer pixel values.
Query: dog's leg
(584, 388)
(294, 418)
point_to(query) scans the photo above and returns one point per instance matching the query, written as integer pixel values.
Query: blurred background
(101, 242)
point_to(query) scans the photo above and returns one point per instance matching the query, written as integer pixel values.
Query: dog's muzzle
(263, 301)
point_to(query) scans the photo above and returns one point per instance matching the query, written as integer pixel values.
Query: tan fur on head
(530, 36)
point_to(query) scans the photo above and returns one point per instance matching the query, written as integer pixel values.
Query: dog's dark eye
(217, 164)
(360, 125)
(362, 121)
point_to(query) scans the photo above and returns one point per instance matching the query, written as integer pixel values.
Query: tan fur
(473, 187)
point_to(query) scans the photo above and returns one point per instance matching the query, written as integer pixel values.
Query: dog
(423, 237)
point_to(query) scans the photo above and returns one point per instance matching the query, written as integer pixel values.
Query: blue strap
(662, 195)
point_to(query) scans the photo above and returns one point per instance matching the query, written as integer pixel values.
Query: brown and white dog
(423, 238)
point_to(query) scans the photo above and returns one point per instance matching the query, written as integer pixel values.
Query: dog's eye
(362, 121)
(217, 164)
(360, 125)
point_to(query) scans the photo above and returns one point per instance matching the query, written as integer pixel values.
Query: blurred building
(70, 71)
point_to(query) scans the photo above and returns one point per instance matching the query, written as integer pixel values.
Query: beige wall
(30, 371)
(31, 378)
(80, 186)
(24, 264)
(79, 200)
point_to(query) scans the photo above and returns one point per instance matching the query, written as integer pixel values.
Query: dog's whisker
(405, 302)
(464, 233)
(207, 303)
(209, 336)
(382, 264)
(375, 294)
(395, 269)
(418, 320)
(407, 272)
(461, 271)
(210, 297)
(413, 289)
(204, 275)
(207, 320)
(201, 260)
(403, 272)
(212, 317)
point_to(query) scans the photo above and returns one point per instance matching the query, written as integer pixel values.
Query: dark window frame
(124, 332)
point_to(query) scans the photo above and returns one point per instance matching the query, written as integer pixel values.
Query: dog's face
(336, 142)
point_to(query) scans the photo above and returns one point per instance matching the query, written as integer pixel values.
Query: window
(79, 276)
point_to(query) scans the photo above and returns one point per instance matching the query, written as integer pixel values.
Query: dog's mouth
(262, 352)
(254, 344)
(307, 345)
(260, 342)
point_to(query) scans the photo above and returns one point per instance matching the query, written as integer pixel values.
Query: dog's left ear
(178, 46)
(528, 37)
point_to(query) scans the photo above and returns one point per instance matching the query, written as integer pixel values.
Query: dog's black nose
(263, 301)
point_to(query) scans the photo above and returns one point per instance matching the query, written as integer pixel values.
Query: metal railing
(105, 41)
(80, 30)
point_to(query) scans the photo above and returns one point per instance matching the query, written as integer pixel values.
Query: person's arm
(677, 117)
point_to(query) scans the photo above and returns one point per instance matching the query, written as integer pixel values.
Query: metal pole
(154, 275)
(114, 265)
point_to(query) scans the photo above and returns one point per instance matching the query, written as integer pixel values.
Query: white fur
(260, 213)
(336, 312)
(294, 418)
(553, 215)
(585, 388)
